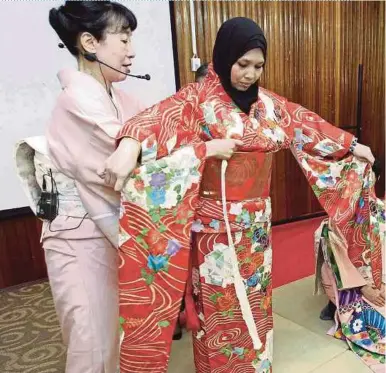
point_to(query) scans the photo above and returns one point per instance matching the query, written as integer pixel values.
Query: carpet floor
(30, 338)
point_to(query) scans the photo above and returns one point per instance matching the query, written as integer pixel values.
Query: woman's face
(116, 50)
(247, 69)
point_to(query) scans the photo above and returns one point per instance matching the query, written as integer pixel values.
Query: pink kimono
(80, 249)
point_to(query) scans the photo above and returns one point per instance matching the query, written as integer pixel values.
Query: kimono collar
(68, 77)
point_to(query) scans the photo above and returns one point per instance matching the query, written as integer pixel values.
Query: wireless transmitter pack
(48, 205)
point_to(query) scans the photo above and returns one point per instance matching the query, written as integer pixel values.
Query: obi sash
(247, 177)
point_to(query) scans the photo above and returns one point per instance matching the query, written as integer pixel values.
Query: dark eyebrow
(247, 60)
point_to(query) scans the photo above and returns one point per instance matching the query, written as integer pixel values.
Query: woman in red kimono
(192, 221)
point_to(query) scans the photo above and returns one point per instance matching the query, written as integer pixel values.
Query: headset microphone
(93, 58)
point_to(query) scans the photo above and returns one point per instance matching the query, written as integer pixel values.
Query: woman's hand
(222, 148)
(120, 164)
(374, 295)
(364, 153)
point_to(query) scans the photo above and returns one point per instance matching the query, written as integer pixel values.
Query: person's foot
(328, 312)
(177, 332)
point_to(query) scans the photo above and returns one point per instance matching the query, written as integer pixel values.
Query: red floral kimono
(175, 236)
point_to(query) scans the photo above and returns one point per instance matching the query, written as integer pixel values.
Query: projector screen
(30, 59)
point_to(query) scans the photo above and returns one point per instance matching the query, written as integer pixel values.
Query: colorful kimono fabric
(349, 245)
(172, 234)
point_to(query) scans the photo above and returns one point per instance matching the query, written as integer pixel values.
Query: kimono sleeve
(159, 199)
(321, 150)
(166, 126)
(342, 185)
(314, 135)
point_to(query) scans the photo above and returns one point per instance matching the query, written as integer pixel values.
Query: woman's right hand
(364, 152)
(121, 163)
(374, 295)
(222, 148)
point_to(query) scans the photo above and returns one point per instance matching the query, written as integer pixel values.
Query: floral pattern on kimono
(169, 232)
(351, 243)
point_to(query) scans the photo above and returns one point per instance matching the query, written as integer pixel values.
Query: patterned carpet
(30, 339)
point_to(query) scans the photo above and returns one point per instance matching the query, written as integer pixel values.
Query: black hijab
(236, 37)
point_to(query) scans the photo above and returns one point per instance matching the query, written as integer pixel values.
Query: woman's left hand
(364, 153)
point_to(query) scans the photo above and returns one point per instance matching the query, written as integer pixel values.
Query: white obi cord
(238, 280)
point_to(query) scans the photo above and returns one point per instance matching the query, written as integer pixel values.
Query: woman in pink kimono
(196, 214)
(81, 242)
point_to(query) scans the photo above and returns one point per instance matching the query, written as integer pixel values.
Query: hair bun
(54, 18)
(95, 17)
(57, 19)
(63, 27)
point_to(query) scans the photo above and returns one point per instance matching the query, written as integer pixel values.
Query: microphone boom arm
(146, 77)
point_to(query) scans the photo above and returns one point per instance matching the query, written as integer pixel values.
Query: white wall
(30, 60)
